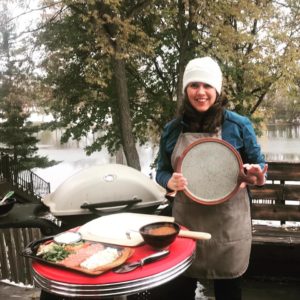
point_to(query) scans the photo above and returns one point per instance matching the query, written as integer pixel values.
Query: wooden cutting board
(114, 229)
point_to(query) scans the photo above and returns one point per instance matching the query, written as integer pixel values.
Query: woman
(225, 257)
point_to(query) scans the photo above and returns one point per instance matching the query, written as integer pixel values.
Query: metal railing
(22, 180)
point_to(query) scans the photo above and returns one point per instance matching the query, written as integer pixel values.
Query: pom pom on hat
(205, 70)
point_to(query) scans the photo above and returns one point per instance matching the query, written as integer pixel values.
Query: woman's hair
(208, 121)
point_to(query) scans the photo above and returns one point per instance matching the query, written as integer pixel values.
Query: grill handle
(94, 207)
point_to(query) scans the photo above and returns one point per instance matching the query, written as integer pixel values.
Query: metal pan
(213, 169)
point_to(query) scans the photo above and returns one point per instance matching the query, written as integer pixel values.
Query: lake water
(279, 143)
(72, 157)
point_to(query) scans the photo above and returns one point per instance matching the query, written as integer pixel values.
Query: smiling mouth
(201, 100)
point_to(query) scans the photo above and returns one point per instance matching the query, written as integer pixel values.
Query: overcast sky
(25, 16)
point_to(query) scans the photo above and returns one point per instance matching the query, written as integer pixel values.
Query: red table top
(180, 250)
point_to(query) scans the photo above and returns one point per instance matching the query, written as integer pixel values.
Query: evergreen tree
(17, 134)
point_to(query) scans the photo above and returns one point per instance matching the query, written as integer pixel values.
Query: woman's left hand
(255, 174)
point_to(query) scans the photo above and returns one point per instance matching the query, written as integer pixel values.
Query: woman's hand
(177, 182)
(254, 174)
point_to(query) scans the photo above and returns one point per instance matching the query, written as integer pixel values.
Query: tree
(116, 67)
(92, 42)
(178, 32)
(17, 135)
(283, 105)
(255, 42)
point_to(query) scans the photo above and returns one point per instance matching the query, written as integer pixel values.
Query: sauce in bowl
(164, 230)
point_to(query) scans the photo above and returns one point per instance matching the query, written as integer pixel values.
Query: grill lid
(93, 187)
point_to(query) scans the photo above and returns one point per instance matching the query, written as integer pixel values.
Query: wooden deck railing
(13, 266)
(279, 199)
(276, 244)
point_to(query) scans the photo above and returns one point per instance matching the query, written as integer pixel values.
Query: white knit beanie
(205, 70)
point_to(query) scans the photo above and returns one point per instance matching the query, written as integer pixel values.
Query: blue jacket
(236, 130)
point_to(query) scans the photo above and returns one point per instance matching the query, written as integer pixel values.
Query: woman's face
(201, 95)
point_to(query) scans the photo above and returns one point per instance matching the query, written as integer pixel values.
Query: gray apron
(226, 254)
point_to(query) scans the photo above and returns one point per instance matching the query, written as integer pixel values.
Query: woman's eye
(194, 85)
